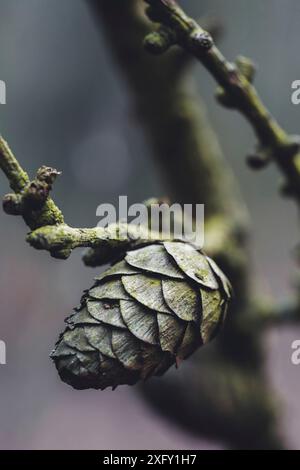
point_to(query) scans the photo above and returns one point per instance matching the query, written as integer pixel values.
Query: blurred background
(68, 107)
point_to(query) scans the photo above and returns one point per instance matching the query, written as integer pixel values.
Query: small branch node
(12, 204)
(201, 40)
(224, 99)
(159, 41)
(48, 175)
(258, 161)
(247, 67)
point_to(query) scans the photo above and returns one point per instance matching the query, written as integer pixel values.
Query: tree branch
(49, 232)
(105, 243)
(236, 90)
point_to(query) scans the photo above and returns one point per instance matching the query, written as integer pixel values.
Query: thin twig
(237, 91)
(17, 177)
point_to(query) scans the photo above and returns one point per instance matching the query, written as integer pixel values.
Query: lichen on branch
(105, 243)
(235, 90)
(49, 232)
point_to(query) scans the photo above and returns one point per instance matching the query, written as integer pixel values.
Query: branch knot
(201, 40)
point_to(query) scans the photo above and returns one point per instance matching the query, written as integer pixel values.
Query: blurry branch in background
(223, 391)
(235, 88)
(48, 230)
(269, 315)
(184, 144)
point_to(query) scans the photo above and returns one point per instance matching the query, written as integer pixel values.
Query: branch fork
(49, 232)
